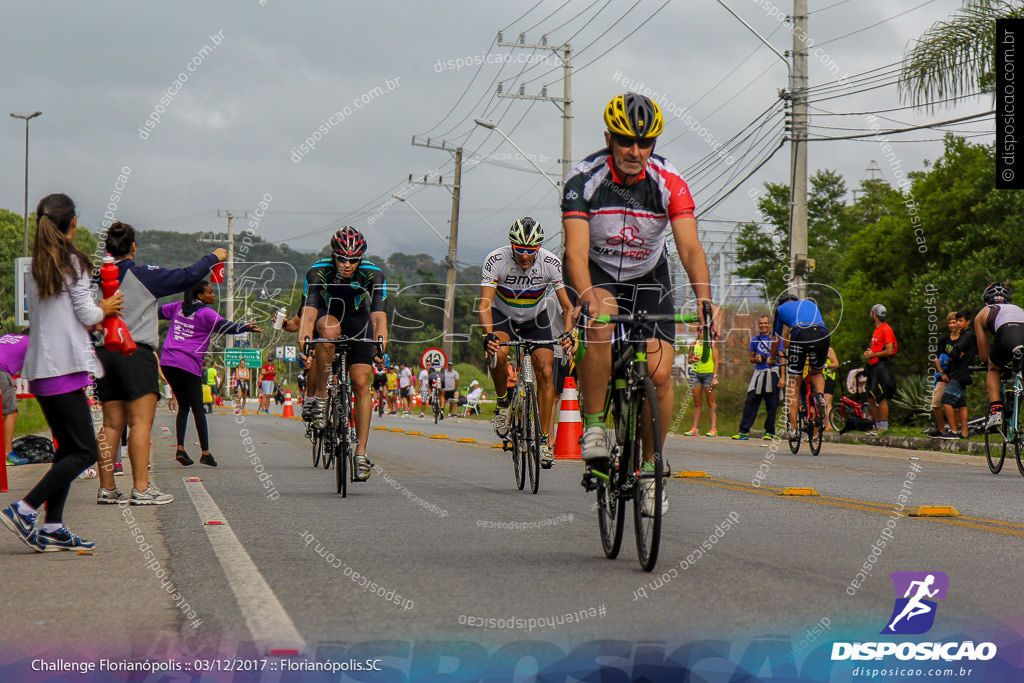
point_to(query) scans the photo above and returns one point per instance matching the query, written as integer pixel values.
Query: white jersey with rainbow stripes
(520, 294)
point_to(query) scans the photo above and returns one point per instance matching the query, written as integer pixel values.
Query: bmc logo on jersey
(523, 280)
(628, 236)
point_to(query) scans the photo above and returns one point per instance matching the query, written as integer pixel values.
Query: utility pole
(229, 340)
(453, 238)
(801, 265)
(564, 103)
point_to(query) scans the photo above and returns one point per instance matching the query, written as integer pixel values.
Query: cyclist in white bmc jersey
(512, 287)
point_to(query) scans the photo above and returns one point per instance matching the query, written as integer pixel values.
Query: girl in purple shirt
(193, 324)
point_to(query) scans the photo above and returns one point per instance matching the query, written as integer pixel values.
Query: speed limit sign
(433, 356)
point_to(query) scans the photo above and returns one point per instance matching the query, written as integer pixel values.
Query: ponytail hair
(54, 257)
(190, 301)
(120, 238)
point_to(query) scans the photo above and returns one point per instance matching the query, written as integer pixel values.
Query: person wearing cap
(881, 384)
(451, 380)
(475, 391)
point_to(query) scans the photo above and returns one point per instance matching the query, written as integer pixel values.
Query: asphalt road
(440, 546)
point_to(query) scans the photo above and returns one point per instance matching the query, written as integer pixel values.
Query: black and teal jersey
(348, 299)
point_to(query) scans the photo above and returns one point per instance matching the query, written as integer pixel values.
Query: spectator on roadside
(764, 383)
(474, 394)
(267, 376)
(703, 380)
(945, 347)
(881, 383)
(58, 364)
(954, 398)
(300, 384)
(451, 381)
(242, 375)
(392, 387)
(128, 391)
(193, 324)
(423, 387)
(210, 380)
(13, 348)
(405, 388)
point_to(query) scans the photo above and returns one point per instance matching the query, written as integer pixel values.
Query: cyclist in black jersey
(345, 295)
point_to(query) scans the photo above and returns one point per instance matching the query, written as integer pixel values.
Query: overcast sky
(231, 132)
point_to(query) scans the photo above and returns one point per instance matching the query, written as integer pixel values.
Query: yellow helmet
(634, 115)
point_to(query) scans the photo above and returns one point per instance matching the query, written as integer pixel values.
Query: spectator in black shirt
(954, 400)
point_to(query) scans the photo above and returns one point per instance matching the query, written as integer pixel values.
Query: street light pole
(490, 125)
(27, 118)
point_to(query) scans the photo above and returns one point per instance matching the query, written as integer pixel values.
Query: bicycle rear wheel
(531, 420)
(794, 439)
(995, 448)
(837, 419)
(816, 425)
(649, 482)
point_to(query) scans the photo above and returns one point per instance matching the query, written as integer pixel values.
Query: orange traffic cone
(288, 412)
(570, 424)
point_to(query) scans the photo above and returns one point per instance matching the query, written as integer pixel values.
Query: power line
(905, 130)
(851, 33)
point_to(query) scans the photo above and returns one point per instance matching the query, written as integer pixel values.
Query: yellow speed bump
(692, 474)
(798, 491)
(497, 445)
(396, 429)
(439, 436)
(934, 511)
(467, 440)
(415, 433)
(381, 427)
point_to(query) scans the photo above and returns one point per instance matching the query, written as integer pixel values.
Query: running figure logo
(914, 612)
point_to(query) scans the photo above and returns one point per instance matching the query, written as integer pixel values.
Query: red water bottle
(115, 333)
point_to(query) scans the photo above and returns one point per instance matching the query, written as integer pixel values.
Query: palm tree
(955, 58)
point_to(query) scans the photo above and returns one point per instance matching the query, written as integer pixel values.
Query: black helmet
(786, 297)
(348, 243)
(996, 293)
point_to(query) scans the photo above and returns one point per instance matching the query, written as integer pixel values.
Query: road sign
(289, 353)
(279, 352)
(253, 357)
(433, 356)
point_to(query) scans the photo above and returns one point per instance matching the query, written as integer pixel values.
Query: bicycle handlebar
(643, 317)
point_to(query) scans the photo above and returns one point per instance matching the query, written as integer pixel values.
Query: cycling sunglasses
(627, 141)
(525, 251)
(347, 259)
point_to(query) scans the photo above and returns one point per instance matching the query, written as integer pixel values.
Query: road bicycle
(336, 442)
(635, 461)
(1011, 430)
(810, 419)
(435, 400)
(523, 438)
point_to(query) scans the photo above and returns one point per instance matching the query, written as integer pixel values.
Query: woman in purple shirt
(193, 324)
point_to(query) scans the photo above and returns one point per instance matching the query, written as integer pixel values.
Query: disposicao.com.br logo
(913, 613)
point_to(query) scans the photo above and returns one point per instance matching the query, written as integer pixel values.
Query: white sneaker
(594, 444)
(547, 458)
(647, 501)
(995, 419)
(500, 421)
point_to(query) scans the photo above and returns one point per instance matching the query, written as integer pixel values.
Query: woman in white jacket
(58, 365)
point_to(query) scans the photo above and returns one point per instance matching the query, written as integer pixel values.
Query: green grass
(30, 418)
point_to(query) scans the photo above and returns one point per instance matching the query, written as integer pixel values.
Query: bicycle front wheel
(517, 433)
(531, 418)
(318, 446)
(328, 436)
(837, 419)
(995, 448)
(342, 445)
(648, 505)
(611, 508)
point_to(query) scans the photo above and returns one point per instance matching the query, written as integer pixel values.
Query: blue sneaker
(22, 525)
(15, 459)
(61, 539)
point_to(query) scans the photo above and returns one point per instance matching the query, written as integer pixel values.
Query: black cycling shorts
(127, 378)
(651, 292)
(881, 383)
(807, 344)
(537, 329)
(380, 381)
(1008, 337)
